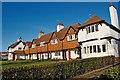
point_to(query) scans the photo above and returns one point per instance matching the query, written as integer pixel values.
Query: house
(16, 50)
(64, 42)
(98, 38)
(94, 38)
(55, 45)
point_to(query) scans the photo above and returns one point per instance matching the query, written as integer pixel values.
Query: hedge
(112, 73)
(59, 71)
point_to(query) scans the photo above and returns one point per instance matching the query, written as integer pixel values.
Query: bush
(111, 74)
(57, 71)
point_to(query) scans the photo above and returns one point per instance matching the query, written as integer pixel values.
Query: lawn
(21, 63)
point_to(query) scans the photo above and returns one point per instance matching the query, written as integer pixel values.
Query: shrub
(111, 74)
(57, 71)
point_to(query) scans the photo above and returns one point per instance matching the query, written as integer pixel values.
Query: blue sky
(26, 19)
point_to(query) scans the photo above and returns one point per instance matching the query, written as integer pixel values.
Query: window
(104, 48)
(46, 54)
(42, 43)
(19, 48)
(26, 47)
(98, 47)
(71, 37)
(57, 53)
(84, 49)
(33, 45)
(35, 55)
(92, 27)
(90, 49)
(94, 48)
(87, 49)
(55, 41)
(96, 27)
(89, 29)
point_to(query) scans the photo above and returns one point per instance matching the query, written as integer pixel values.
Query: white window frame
(42, 44)
(33, 45)
(73, 36)
(57, 53)
(54, 41)
(19, 48)
(89, 28)
(26, 47)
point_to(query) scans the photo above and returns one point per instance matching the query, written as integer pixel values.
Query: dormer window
(26, 47)
(55, 41)
(19, 48)
(33, 45)
(71, 37)
(42, 43)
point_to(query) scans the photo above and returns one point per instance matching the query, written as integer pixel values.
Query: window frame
(42, 43)
(33, 45)
(104, 48)
(55, 41)
(19, 48)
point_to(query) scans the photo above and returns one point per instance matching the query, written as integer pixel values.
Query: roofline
(113, 27)
(91, 24)
(17, 44)
(103, 21)
(67, 32)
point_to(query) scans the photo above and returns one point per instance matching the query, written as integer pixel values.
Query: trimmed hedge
(58, 71)
(112, 73)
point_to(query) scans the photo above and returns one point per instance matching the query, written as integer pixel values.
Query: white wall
(10, 55)
(34, 56)
(72, 54)
(96, 54)
(104, 31)
(57, 57)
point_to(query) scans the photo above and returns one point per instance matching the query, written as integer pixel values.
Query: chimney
(19, 39)
(40, 34)
(113, 15)
(59, 27)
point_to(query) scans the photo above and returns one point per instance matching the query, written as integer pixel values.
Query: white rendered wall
(57, 57)
(72, 54)
(10, 55)
(34, 56)
(97, 54)
(104, 31)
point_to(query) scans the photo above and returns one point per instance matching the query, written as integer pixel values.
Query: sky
(26, 19)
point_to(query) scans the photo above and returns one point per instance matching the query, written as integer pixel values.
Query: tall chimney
(19, 39)
(113, 16)
(40, 34)
(59, 27)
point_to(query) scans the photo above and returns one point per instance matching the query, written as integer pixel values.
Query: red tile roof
(91, 20)
(76, 26)
(15, 44)
(28, 44)
(44, 38)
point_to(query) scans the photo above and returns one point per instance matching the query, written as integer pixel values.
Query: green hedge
(110, 74)
(58, 71)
